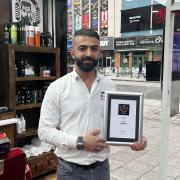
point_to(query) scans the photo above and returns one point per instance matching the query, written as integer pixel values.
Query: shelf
(28, 106)
(25, 48)
(35, 78)
(7, 115)
(10, 85)
(28, 132)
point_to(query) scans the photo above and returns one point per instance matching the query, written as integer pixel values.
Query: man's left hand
(139, 145)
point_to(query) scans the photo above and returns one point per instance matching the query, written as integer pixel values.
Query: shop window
(129, 4)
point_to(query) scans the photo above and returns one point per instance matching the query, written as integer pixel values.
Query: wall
(5, 14)
(114, 18)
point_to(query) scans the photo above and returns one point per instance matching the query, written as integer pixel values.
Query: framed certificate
(123, 117)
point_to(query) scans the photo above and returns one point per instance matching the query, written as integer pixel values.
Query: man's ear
(72, 53)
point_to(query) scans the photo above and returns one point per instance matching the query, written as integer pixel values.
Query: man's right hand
(93, 142)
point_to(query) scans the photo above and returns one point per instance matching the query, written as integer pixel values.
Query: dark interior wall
(5, 15)
(61, 31)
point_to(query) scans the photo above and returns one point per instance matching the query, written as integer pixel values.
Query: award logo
(123, 109)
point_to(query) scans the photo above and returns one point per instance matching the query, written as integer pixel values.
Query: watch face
(80, 146)
(80, 143)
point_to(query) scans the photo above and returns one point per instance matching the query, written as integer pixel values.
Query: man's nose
(89, 52)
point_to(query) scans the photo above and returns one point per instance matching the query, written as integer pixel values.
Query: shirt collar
(76, 76)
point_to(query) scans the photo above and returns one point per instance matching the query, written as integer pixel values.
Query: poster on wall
(104, 18)
(176, 57)
(28, 11)
(77, 15)
(69, 24)
(158, 16)
(85, 21)
(94, 15)
(85, 12)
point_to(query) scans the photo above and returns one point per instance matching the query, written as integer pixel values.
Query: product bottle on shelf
(13, 33)
(31, 35)
(22, 68)
(18, 96)
(23, 95)
(18, 125)
(42, 39)
(49, 39)
(18, 33)
(23, 123)
(37, 36)
(27, 35)
(29, 69)
(22, 33)
(16, 70)
(28, 97)
(6, 34)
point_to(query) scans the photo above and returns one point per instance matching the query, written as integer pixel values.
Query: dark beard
(86, 67)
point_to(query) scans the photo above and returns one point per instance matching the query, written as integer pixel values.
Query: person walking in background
(140, 69)
(72, 115)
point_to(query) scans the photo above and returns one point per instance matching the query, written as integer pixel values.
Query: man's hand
(140, 145)
(93, 142)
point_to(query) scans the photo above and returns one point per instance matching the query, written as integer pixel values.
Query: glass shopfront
(129, 4)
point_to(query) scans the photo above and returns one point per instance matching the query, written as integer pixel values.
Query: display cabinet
(25, 74)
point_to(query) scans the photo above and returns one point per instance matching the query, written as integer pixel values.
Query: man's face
(86, 52)
(26, 11)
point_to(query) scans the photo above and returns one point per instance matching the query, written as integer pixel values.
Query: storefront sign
(107, 43)
(138, 42)
(149, 41)
(120, 43)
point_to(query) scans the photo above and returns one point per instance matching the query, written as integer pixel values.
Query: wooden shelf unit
(10, 55)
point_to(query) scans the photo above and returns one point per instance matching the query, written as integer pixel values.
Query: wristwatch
(80, 143)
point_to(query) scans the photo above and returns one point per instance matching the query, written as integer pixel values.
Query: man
(140, 69)
(26, 13)
(72, 115)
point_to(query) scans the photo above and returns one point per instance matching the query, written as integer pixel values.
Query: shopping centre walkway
(144, 165)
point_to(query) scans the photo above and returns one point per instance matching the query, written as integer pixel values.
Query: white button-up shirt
(69, 110)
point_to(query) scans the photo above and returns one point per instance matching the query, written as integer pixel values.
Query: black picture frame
(128, 117)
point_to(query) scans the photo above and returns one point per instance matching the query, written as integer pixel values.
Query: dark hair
(87, 32)
(26, 4)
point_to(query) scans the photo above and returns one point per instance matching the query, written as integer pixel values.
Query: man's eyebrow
(88, 46)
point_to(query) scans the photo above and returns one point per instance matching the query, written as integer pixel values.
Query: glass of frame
(123, 117)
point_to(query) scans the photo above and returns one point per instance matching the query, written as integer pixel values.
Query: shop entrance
(139, 58)
(108, 61)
